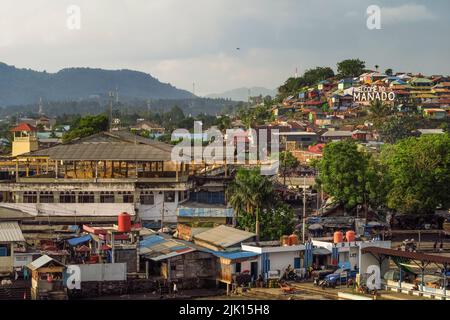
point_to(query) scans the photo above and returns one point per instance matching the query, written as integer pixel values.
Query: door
(254, 270)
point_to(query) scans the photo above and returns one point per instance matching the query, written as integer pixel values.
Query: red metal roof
(24, 127)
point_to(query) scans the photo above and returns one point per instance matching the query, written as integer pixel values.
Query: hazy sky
(186, 41)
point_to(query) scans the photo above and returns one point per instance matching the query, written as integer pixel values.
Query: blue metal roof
(151, 241)
(234, 254)
(79, 240)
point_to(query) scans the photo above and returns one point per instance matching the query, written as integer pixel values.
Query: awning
(77, 241)
(321, 251)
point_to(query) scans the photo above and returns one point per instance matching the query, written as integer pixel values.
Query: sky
(195, 41)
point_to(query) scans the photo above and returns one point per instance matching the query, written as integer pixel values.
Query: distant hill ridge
(25, 86)
(241, 94)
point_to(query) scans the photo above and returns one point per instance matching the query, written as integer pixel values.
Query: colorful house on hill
(371, 77)
(325, 85)
(435, 113)
(419, 83)
(345, 83)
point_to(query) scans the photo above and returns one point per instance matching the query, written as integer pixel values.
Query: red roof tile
(24, 127)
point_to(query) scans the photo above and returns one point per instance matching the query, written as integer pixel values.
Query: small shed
(47, 280)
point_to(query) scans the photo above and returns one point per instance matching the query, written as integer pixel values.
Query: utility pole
(111, 97)
(162, 215)
(304, 209)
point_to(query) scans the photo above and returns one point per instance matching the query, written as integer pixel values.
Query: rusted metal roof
(117, 146)
(408, 255)
(10, 232)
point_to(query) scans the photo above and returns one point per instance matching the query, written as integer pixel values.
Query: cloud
(405, 13)
(181, 41)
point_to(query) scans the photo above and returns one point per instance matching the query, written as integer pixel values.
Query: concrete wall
(154, 212)
(103, 272)
(280, 260)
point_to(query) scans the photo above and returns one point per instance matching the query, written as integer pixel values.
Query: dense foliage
(350, 68)
(86, 126)
(411, 176)
(256, 205)
(418, 170)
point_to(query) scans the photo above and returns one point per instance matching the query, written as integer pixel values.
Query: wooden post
(74, 169)
(112, 169)
(27, 169)
(176, 172)
(17, 170)
(56, 169)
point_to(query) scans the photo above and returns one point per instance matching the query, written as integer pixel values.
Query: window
(30, 197)
(4, 250)
(67, 197)
(169, 196)
(107, 197)
(173, 267)
(296, 263)
(86, 197)
(46, 197)
(127, 197)
(147, 197)
(238, 267)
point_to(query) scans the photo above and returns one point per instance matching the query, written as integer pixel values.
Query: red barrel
(350, 236)
(293, 240)
(124, 222)
(338, 237)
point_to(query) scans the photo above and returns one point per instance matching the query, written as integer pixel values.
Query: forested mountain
(26, 86)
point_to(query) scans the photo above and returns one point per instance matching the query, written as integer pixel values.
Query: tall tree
(350, 68)
(343, 173)
(249, 194)
(419, 173)
(378, 111)
(288, 162)
(86, 126)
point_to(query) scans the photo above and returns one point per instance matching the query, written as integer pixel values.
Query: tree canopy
(350, 68)
(255, 203)
(86, 126)
(419, 173)
(343, 173)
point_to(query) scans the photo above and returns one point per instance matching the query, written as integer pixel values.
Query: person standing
(175, 289)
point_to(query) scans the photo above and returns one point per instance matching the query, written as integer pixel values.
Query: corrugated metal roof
(42, 261)
(223, 236)
(10, 232)
(233, 255)
(109, 146)
(156, 248)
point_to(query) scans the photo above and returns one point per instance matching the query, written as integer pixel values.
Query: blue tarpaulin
(77, 241)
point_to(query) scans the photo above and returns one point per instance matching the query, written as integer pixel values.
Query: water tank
(293, 240)
(285, 240)
(338, 237)
(350, 236)
(124, 222)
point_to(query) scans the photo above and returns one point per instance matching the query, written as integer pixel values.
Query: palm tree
(379, 111)
(249, 193)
